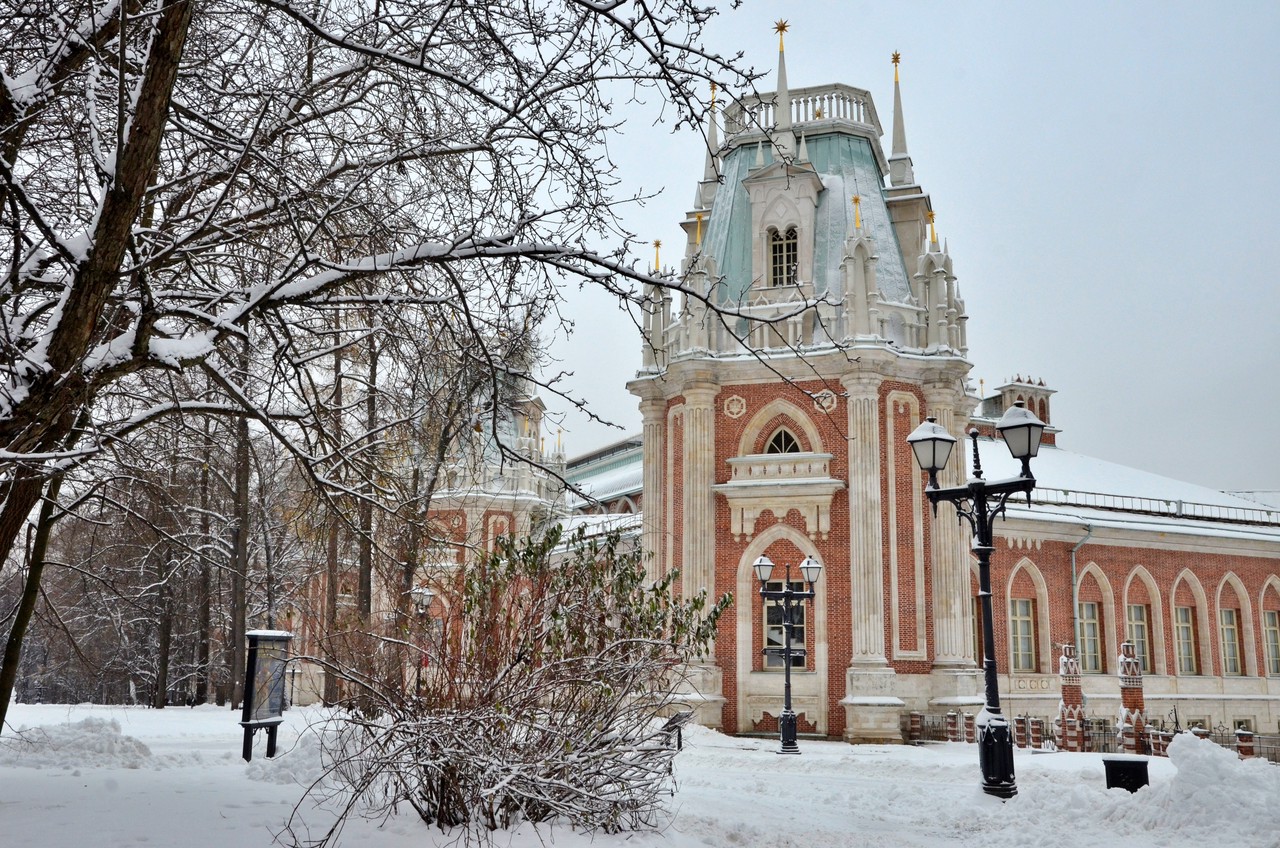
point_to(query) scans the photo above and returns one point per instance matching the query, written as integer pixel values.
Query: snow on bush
(95, 742)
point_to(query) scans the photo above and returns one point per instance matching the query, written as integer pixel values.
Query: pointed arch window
(782, 442)
(783, 257)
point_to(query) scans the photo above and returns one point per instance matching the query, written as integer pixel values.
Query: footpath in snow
(111, 776)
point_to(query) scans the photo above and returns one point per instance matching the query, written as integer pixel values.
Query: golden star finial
(817, 114)
(780, 27)
(897, 57)
(713, 95)
(931, 215)
(857, 212)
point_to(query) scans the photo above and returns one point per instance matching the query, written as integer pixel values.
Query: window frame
(1141, 641)
(784, 257)
(786, 441)
(1086, 654)
(1184, 641)
(1232, 661)
(1022, 645)
(1271, 639)
(771, 661)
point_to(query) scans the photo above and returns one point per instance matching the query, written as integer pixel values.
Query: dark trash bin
(1126, 773)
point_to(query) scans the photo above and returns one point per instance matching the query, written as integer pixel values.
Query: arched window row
(1212, 634)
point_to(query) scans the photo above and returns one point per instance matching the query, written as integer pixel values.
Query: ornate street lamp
(980, 503)
(810, 569)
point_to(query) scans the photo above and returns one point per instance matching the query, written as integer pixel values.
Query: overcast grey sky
(1105, 174)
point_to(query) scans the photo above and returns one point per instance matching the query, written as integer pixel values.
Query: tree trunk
(240, 548)
(204, 625)
(331, 575)
(364, 601)
(27, 604)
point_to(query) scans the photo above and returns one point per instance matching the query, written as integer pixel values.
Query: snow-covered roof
(597, 524)
(1072, 487)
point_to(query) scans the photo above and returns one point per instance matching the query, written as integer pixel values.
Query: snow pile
(303, 763)
(94, 742)
(1215, 791)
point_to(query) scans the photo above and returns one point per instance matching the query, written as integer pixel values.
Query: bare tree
(546, 693)
(172, 169)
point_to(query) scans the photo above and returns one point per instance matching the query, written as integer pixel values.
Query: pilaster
(952, 610)
(698, 560)
(653, 414)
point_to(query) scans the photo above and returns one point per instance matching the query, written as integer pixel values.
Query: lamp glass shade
(1021, 430)
(422, 598)
(810, 568)
(763, 568)
(931, 444)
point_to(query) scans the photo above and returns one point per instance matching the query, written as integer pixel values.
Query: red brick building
(776, 423)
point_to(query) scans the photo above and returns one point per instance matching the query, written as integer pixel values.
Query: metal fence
(1267, 747)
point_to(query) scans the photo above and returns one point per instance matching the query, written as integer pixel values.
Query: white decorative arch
(1272, 582)
(1159, 664)
(1108, 623)
(746, 587)
(1247, 625)
(781, 214)
(772, 409)
(1044, 645)
(1205, 624)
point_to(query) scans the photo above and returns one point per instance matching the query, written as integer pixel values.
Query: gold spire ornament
(897, 57)
(657, 247)
(781, 27)
(933, 234)
(713, 96)
(857, 212)
(697, 239)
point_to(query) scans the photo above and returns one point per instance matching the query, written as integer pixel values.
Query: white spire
(713, 139)
(786, 141)
(900, 172)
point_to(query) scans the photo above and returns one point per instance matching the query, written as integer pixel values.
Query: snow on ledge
(872, 701)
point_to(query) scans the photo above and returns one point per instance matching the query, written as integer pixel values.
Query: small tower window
(783, 253)
(782, 442)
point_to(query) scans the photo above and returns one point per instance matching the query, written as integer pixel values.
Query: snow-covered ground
(87, 775)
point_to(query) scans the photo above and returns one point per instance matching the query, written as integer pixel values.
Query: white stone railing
(833, 102)
(774, 467)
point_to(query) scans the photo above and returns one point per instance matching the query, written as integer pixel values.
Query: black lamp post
(422, 598)
(789, 597)
(980, 503)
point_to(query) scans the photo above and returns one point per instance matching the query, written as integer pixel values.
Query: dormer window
(782, 442)
(783, 257)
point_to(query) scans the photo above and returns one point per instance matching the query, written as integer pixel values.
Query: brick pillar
(970, 734)
(1071, 737)
(1070, 720)
(1244, 743)
(1020, 731)
(916, 732)
(1133, 708)
(953, 727)
(1037, 733)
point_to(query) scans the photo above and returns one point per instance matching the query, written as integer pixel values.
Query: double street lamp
(980, 503)
(789, 599)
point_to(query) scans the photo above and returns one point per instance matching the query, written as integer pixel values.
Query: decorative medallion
(826, 400)
(455, 521)
(735, 406)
